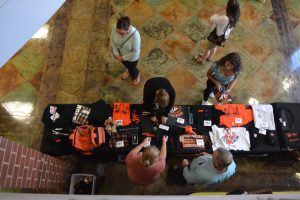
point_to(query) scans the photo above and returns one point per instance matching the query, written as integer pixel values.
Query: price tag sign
(238, 120)
(199, 142)
(164, 127)
(207, 123)
(262, 131)
(265, 124)
(120, 144)
(180, 120)
(119, 122)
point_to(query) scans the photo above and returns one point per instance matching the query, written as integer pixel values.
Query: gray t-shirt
(202, 171)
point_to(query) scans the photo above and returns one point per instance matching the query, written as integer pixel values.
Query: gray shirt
(223, 80)
(202, 171)
(131, 49)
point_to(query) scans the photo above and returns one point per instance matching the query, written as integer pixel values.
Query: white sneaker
(204, 102)
(212, 95)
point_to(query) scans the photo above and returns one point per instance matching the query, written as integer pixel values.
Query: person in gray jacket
(126, 43)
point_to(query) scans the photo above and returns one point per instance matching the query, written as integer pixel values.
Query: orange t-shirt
(234, 114)
(121, 112)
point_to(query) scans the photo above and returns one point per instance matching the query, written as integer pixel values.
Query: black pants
(132, 69)
(209, 88)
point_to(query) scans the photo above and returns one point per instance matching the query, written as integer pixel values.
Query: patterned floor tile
(10, 78)
(174, 12)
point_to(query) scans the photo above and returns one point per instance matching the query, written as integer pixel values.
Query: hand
(147, 140)
(218, 86)
(154, 119)
(119, 58)
(184, 163)
(165, 139)
(164, 119)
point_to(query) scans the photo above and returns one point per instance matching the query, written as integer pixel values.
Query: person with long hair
(126, 42)
(222, 26)
(145, 167)
(222, 74)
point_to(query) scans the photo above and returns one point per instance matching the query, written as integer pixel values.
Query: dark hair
(123, 23)
(235, 59)
(233, 12)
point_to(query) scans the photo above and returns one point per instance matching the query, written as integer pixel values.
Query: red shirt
(141, 174)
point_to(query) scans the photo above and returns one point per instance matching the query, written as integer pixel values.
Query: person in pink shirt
(145, 167)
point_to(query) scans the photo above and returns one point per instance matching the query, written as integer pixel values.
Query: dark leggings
(209, 88)
(131, 66)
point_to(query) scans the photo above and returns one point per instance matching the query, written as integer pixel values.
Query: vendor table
(56, 146)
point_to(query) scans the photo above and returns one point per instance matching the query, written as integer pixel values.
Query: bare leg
(206, 53)
(211, 53)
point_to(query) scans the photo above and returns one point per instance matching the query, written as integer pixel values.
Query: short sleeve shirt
(202, 171)
(141, 174)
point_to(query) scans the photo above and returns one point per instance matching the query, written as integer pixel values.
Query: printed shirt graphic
(231, 138)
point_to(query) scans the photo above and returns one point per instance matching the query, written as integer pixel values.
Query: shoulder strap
(127, 39)
(226, 27)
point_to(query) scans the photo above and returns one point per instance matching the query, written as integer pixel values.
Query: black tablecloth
(193, 115)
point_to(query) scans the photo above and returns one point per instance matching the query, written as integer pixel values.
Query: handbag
(221, 96)
(216, 39)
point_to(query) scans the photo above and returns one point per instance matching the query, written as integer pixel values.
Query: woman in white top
(126, 42)
(222, 26)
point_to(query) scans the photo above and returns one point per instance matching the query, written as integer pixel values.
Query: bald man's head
(222, 158)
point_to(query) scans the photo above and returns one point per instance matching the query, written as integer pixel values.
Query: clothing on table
(221, 22)
(141, 174)
(121, 113)
(204, 117)
(179, 115)
(202, 171)
(150, 88)
(263, 116)
(81, 114)
(236, 138)
(234, 114)
(189, 140)
(291, 140)
(131, 49)
(286, 116)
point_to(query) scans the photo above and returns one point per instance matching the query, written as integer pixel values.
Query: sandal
(137, 80)
(125, 75)
(199, 60)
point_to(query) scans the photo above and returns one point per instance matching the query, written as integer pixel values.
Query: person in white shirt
(222, 26)
(126, 42)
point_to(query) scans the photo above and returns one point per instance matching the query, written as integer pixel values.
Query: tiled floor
(73, 64)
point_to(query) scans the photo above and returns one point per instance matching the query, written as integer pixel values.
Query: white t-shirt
(221, 22)
(236, 138)
(263, 116)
